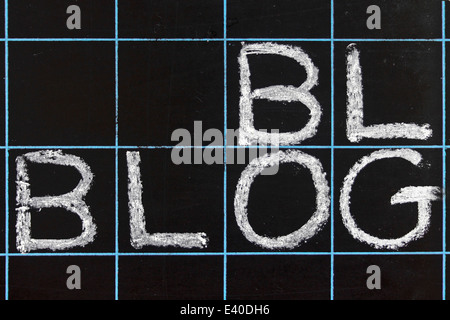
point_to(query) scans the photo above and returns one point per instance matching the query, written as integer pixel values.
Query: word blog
(74, 201)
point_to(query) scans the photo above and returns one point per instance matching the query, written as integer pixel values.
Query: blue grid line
(280, 39)
(62, 254)
(386, 40)
(59, 39)
(262, 253)
(394, 253)
(172, 39)
(166, 254)
(444, 154)
(333, 39)
(113, 254)
(225, 115)
(6, 154)
(444, 228)
(228, 147)
(112, 39)
(60, 147)
(336, 253)
(217, 40)
(116, 69)
(324, 253)
(391, 147)
(332, 156)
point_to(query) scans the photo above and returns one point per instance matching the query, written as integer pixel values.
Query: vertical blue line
(6, 155)
(332, 154)
(444, 155)
(225, 113)
(116, 68)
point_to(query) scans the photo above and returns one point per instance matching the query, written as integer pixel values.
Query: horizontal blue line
(61, 254)
(335, 39)
(388, 40)
(391, 147)
(112, 39)
(403, 253)
(112, 254)
(58, 147)
(134, 254)
(217, 39)
(173, 39)
(230, 147)
(278, 253)
(58, 39)
(281, 39)
(331, 253)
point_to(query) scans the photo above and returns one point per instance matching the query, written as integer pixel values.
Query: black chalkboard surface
(223, 150)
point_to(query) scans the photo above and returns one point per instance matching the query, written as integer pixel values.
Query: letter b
(248, 135)
(72, 201)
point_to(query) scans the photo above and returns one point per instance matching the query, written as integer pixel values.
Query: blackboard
(139, 100)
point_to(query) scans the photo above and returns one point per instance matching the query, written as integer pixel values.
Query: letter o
(308, 230)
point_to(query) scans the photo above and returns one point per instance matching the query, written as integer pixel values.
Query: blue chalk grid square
(171, 278)
(278, 19)
(421, 274)
(388, 93)
(369, 211)
(165, 86)
(402, 19)
(281, 204)
(87, 215)
(271, 70)
(159, 200)
(255, 277)
(63, 94)
(171, 19)
(45, 278)
(50, 19)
